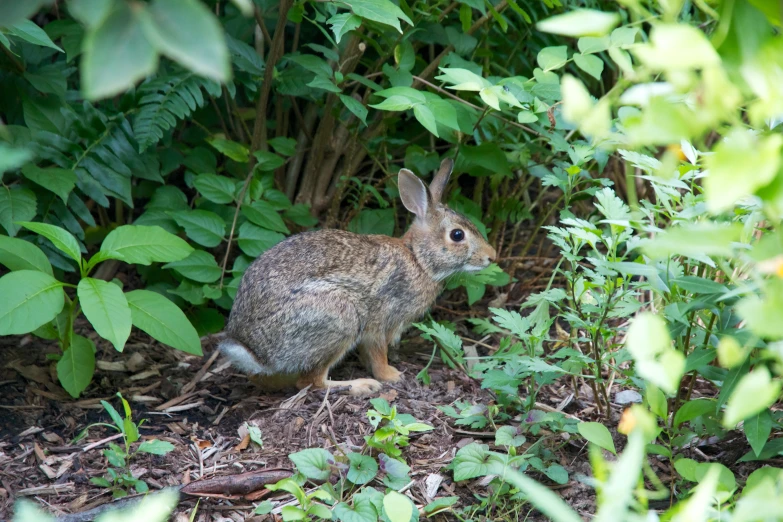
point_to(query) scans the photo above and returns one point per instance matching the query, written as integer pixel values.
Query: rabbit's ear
(413, 193)
(441, 179)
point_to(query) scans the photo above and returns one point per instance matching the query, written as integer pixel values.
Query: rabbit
(312, 298)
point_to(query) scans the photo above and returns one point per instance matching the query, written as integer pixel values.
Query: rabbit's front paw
(364, 387)
(387, 374)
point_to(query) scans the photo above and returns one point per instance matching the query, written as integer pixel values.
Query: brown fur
(303, 304)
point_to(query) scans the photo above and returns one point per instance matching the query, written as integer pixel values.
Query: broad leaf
(188, 33)
(111, 65)
(16, 204)
(254, 240)
(59, 181)
(551, 58)
(105, 306)
(382, 11)
(218, 189)
(199, 266)
(77, 365)
(580, 22)
(398, 507)
(163, 320)
(262, 214)
(27, 30)
(156, 447)
(598, 434)
(757, 430)
(60, 238)
(754, 393)
(693, 409)
(144, 245)
(30, 300)
(363, 468)
(356, 107)
(343, 23)
(314, 463)
(18, 254)
(232, 149)
(202, 226)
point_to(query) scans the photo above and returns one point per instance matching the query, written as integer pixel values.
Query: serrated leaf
(30, 300)
(59, 181)
(254, 240)
(218, 189)
(356, 107)
(343, 23)
(16, 204)
(262, 214)
(106, 308)
(163, 320)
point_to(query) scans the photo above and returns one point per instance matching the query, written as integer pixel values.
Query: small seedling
(119, 477)
(396, 428)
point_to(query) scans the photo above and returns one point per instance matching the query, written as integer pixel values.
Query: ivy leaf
(343, 23)
(77, 365)
(163, 320)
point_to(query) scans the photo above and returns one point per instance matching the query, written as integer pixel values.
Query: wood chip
(48, 436)
(54, 489)
(32, 430)
(111, 366)
(39, 452)
(432, 484)
(49, 472)
(145, 375)
(136, 362)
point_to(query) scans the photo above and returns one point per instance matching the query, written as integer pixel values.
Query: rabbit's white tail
(240, 356)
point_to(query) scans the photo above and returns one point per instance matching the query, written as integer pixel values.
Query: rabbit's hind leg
(373, 353)
(319, 379)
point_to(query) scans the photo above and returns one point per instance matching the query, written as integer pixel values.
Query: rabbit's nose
(491, 256)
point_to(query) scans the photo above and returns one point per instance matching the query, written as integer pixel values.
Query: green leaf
(77, 366)
(649, 343)
(105, 306)
(551, 58)
(382, 11)
(363, 468)
(739, 165)
(199, 266)
(254, 240)
(374, 221)
(12, 13)
(16, 204)
(264, 508)
(439, 505)
(598, 434)
(462, 79)
(156, 447)
(13, 157)
(591, 44)
(343, 23)
(665, 50)
(754, 393)
(59, 181)
(693, 409)
(262, 214)
(283, 145)
(232, 149)
(313, 463)
(394, 103)
(590, 64)
(471, 462)
(18, 254)
(143, 245)
(320, 511)
(111, 65)
(424, 115)
(361, 512)
(60, 238)
(757, 430)
(580, 22)
(30, 32)
(397, 507)
(508, 436)
(268, 161)
(202, 226)
(217, 189)
(163, 320)
(709, 239)
(293, 513)
(188, 33)
(30, 300)
(699, 285)
(356, 107)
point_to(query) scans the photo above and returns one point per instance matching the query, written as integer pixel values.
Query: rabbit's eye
(457, 235)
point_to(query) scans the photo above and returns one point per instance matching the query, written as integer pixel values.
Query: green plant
(37, 302)
(392, 429)
(119, 478)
